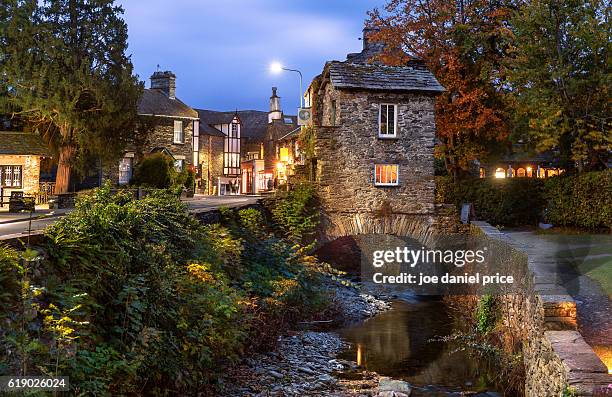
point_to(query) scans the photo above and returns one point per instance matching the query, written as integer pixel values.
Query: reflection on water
(398, 343)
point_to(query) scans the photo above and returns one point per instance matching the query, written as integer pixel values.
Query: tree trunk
(64, 167)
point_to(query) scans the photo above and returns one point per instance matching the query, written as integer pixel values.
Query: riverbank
(305, 362)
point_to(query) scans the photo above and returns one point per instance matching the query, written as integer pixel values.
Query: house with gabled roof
(21, 155)
(166, 125)
(375, 133)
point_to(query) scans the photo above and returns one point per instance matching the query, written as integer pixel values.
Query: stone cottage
(166, 125)
(375, 132)
(21, 155)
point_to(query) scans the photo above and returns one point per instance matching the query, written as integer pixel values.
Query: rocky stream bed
(306, 363)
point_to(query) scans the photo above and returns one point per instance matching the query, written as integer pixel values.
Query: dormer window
(387, 121)
(179, 134)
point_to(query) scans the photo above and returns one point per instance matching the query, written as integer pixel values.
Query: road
(196, 205)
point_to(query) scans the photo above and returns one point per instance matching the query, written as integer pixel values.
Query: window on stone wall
(387, 121)
(179, 165)
(179, 134)
(11, 176)
(386, 175)
(126, 167)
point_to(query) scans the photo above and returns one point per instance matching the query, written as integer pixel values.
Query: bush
(508, 202)
(297, 212)
(138, 298)
(583, 200)
(155, 170)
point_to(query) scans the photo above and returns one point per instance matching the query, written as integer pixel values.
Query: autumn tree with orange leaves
(463, 42)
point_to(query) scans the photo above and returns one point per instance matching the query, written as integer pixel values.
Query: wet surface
(400, 343)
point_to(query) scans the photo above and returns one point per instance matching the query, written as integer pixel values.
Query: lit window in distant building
(520, 172)
(552, 172)
(510, 172)
(231, 153)
(483, 173)
(500, 173)
(179, 134)
(529, 172)
(386, 175)
(541, 172)
(284, 155)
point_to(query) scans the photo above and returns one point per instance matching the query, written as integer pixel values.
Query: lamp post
(276, 67)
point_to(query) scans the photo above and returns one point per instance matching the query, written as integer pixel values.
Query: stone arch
(421, 227)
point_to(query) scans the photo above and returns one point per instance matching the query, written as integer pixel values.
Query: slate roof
(414, 77)
(254, 122)
(155, 102)
(22, 143)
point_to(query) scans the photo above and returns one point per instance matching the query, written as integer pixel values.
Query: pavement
(568, 261)
(20, 225)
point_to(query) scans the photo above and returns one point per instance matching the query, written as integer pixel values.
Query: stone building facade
(166, 124)
(375, 132)
(21, 154)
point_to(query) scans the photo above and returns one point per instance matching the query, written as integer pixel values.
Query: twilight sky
(220, 50)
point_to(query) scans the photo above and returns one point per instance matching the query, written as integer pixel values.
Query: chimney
(165, 82)
(367, 32)
(275, 108)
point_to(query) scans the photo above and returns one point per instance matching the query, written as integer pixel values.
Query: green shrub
(155, 170)
(297, 212)
(508, 202)
(583, 200)
(139, 298)
(486, 314)
(9, 271)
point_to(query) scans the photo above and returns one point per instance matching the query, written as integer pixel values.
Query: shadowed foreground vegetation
(136, 297)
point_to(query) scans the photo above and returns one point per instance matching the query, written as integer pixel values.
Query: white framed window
(387, 121)
(179, 134)
(179, 164)
(386, 174)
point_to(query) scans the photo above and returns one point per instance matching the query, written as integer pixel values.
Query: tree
(559, 71)
(65, 65)
(463, 42)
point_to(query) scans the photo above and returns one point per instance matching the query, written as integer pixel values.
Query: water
(398, 343)
(402, 342)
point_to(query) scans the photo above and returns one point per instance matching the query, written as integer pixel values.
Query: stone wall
(162, 136)
(555, 354)
(211, 161)
(30, 166)
(347, 152)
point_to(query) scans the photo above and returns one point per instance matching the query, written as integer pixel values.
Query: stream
(403, 342)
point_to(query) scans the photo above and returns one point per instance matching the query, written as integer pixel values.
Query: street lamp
(277, 68)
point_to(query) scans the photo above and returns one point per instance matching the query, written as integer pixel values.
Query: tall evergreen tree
(560, 74)
(65, 65)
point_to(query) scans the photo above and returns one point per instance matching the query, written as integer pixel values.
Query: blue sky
(221, 50)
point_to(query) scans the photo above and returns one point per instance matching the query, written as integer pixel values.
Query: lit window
(510, 172)
(179, 165)
(179, 134)
(11, 176)
(520, 172)
(386, 175)
(500, 173)
(529, 172)
(231, 154)
(387, 121)
(483, 173)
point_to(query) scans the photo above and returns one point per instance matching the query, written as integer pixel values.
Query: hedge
(583, 200)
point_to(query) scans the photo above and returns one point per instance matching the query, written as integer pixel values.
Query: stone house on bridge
(375, 132)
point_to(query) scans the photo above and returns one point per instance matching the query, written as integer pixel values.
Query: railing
(45, 189)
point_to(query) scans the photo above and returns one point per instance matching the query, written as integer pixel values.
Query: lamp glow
(276, 67)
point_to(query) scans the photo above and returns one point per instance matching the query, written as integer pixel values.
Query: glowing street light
(277, 67)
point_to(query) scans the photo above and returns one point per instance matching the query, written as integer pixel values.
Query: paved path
(17, 225)
(559, 258)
